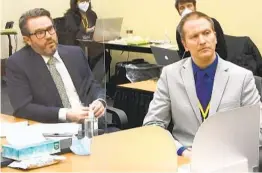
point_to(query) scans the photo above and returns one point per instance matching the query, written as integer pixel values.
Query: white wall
(150, 18)
(12, 10)
(153, 17)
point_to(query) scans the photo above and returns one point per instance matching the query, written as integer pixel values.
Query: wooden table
(122, 47)
(144, 149)
(149, 85)
(134, 99)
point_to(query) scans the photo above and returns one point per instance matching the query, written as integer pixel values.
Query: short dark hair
(193, 15)
(184, 1)
(33, 13)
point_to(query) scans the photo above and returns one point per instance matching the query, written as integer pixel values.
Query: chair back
(243, 52)
(65, 37)
(258, 81)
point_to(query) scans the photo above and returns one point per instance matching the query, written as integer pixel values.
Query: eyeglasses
(42, 33)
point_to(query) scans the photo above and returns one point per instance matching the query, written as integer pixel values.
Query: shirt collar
(210, 70)
(56, 55)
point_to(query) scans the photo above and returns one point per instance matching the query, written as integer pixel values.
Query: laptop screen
(165, 56)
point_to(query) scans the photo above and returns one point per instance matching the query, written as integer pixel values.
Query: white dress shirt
(69, 86)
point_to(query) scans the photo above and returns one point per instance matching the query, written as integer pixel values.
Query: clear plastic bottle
(91, 126)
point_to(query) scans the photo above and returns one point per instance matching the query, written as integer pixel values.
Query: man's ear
(184, 44)
(27, 40)
(215, 36)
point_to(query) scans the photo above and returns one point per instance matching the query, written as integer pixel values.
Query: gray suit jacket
(176, 99)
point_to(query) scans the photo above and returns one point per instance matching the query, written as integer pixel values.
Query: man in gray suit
(48, 82)
(191, 90)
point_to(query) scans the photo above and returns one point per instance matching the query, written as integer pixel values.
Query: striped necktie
(58, 82)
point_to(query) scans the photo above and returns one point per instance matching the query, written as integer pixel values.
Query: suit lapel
(42, 74)
(69, 62)
(220, 81)
(189, 83)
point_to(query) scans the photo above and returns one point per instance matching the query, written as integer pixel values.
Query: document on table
(62, 129)
(37, 133)
(8, 127)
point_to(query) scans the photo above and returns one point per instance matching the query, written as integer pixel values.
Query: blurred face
(200, 40)
(42, 38)
(183, 6)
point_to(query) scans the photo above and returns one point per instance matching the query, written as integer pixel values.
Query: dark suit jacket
(221, 47)
(73, 23)
(32, 91)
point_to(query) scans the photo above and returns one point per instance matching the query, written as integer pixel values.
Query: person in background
(80, 21)
(187, 6)
(195, 88)
(47, 82)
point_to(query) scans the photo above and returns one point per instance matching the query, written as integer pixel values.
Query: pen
(58, 134)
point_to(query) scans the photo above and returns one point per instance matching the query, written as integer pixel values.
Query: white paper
(20, 135)
(59, 128)
(119, 41)
(237, 164)
(7, 127)
(168, 46)
(24, 137)
(184, 168)
(226, 138)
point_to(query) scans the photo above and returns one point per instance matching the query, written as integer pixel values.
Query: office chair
(65, 37)
(243, 52)
(113, 120)
(119, 118)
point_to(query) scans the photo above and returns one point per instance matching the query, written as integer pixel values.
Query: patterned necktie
(58, 82)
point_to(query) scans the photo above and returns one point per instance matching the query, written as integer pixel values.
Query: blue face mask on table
(81, 146)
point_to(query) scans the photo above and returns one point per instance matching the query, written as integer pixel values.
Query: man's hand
(187, 153)
(77, 115)
(98, 108)
(92, 29)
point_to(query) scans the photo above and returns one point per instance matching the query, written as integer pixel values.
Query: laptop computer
(107, 29)
(165, 56)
